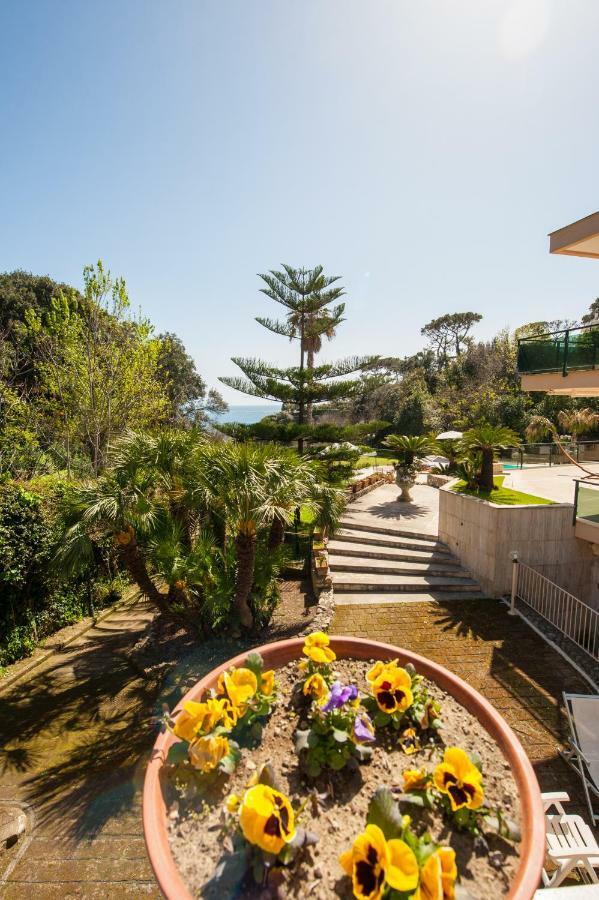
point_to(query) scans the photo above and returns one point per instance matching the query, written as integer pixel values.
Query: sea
(248, 414)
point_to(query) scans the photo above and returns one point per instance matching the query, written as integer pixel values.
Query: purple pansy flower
(363, 729)
(340, 695)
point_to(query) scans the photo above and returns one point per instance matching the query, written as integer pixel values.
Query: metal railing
(566, 613)
(571, 349)
(549, 454)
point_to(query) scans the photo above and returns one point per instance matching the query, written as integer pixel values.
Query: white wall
(483, 535)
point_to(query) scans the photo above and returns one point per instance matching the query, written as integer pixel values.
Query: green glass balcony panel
(570, 350)
(587, 503)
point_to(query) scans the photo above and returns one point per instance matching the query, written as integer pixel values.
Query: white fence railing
(568, 614)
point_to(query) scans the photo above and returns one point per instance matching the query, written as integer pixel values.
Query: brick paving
(75, 734)
(499, 656)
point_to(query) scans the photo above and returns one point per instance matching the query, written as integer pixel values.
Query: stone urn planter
(512, 760)
(405, 479)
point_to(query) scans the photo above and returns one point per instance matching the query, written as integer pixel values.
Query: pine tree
(307, 295)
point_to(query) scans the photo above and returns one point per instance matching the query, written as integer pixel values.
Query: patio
(552, 482)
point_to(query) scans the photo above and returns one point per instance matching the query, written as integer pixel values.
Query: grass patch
(365, 462)
(502, 496)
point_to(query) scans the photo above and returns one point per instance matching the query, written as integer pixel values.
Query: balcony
(586, 510)
(561, 362)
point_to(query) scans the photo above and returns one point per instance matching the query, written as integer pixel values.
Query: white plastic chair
(583, 753)
(570, 844)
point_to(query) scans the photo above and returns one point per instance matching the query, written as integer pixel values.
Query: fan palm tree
(235, 483)
(578, 421)
(291, 481)
(122, 505)
(486, 439)
(410, 447)
(540, 427)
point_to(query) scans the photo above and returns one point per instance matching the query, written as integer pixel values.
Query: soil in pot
(338, 804)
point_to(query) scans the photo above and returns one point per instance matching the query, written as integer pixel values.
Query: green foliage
(499, 494)
(410, 447)
(36, 599)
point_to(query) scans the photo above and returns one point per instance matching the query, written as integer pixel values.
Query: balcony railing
(570, 350)
(586, 501)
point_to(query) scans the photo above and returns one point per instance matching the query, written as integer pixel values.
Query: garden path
(75, 735)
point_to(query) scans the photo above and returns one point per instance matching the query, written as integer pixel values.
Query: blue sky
(422, 150)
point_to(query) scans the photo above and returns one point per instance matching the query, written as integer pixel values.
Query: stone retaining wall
(483, 536)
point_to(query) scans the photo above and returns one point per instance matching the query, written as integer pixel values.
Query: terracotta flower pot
(279, 654)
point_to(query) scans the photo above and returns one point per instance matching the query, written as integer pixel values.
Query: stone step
(374, 551)
(358, 582)
(387, 567)
(353, 535)
(370, 599)
(359, 524)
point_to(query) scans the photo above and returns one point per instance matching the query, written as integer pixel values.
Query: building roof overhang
(581, 238)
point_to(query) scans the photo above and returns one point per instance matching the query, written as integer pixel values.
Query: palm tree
(121, 505)
(235, 483)
(410, 447)
(292, 480)
(539, 427)
(578, 421)
(486, 439)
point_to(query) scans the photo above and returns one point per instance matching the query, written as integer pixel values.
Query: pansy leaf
(267, 776)
(475, 759)
(414, 798)
(255, 664)
(228, 875)
(383, 811)
(381, 719)
(177, 753)
(336, 761)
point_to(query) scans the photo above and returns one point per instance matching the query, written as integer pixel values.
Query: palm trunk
(486, 470)
(277, 533)
(245, 547)
(136, 567)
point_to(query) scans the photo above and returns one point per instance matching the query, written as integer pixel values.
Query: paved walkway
(380, 507)
(75, 734)
(551, 482)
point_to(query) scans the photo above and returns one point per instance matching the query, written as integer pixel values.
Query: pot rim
(278, 654)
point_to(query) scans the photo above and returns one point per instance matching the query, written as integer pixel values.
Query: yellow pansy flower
(268, 682)
(315, 686)
(316, 647)
(379, 667)
(438, 876)
(416, 780)
(240, 685)
(373, 863)
(267, 819)
(206, 752)
(458, 777)
(392, 690)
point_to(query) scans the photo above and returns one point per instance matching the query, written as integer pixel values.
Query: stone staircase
(387, 564)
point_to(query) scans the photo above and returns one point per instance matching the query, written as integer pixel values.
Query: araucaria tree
(307, 295)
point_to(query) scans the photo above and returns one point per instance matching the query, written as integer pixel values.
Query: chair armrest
(554, 798)
(582, 852)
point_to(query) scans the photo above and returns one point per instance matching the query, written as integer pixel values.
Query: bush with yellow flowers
(388, 860)
(399, 701)
(456, 784)
(251, 692)
(264, 830)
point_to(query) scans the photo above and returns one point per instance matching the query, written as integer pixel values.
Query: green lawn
(501, 495)
(306, 515)
(366, 461)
